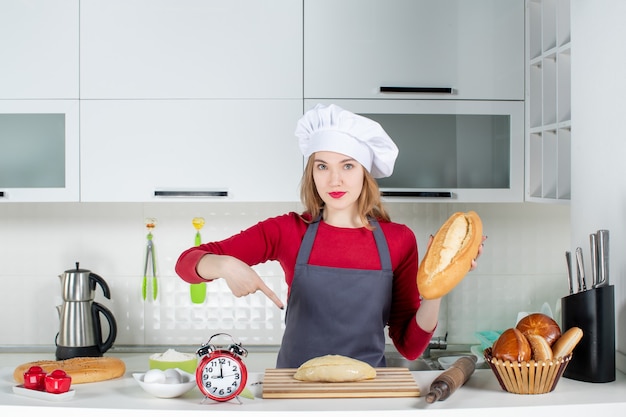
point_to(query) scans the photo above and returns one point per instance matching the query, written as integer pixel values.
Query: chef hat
(331, 128)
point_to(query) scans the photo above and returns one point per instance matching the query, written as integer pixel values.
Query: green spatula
(198, 291)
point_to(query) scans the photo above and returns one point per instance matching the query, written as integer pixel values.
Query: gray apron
(337, 311)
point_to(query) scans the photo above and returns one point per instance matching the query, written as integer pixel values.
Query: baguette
(565, 344)
(81, 369)
(334, 368)
(449, 257)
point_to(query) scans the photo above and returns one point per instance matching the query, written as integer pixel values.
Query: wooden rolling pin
(451, 379)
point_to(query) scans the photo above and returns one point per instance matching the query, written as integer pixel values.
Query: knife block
(593, 359)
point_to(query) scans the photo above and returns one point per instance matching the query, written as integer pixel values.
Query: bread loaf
(449, 257)
(540, 324)
(334, 368)
(567, 342)
(512, 346)
(81, 369)
(541, 350)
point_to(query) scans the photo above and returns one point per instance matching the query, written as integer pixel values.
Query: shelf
(548, 73)
(548, 101)
(548, 24)
(564, 163)
(564, 81)
(563, 28)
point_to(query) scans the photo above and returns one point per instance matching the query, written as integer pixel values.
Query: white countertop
(480, 396)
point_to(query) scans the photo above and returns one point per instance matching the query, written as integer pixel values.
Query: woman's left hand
(480, 251)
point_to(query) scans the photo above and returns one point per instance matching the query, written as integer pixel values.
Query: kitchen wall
(522, 267)
(598, 139)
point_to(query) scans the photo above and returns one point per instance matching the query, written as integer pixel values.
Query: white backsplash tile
(522, 267)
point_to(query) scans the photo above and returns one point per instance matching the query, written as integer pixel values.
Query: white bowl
(164, 390)
(448, 361)
(478, 351)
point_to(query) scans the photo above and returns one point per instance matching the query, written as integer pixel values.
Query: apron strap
(379, 237)
(307, 242)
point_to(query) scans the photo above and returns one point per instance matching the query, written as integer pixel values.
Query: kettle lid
(77, 269)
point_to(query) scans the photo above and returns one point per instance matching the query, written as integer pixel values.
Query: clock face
(221, 376)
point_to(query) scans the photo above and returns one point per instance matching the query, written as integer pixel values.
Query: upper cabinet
(445, 49)
(450, 150)
(548, 101)
(190, 49)
(39, 117)
(193, 100)
(189, 150)
(39, 150)
(39, 49)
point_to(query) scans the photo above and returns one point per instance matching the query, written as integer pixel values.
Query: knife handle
(570, 279)
(593, 243)
(580, 270)
(603, 258)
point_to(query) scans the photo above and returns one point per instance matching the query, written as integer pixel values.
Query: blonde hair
(369, 202)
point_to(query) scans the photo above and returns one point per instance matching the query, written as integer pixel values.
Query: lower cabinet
(189, 150)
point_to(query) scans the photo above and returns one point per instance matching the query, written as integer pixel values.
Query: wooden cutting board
(389, 382)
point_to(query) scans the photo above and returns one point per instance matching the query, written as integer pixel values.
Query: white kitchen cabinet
(39, 49)
(190, 150)
(450, 151)
(191, 49)
(39, 150)
(548, 101)
(352, 48)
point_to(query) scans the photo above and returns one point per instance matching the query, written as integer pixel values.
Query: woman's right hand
(241, 279)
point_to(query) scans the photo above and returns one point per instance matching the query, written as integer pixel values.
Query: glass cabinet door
(449, 150)
(39, 150)
(461, 151)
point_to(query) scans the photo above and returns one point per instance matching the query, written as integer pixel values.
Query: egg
(172, 376)
(154, 376)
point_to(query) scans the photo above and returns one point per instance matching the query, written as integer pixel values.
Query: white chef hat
(331, 128)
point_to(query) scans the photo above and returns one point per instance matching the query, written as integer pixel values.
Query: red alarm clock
(221, 374)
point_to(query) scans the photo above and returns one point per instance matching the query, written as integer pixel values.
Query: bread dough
(334, 368)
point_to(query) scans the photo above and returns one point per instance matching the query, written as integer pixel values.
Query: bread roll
(541, 350)
(449, 256)
(81, 369)
(512, 346)
(540, 324)
(334, 368)
(567, 342)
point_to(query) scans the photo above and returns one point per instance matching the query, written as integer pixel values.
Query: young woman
(351, 271)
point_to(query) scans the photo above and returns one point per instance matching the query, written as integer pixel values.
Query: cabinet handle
(1, 193)
(423, 194)
(198, 193)
(438, 90)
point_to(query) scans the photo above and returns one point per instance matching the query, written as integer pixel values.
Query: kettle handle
(97, 279)
(96, 309)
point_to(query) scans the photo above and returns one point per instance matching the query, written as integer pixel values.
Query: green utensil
(198, 291)
(150, 259)
(144, 287)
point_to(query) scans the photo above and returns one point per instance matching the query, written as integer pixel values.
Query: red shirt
(279, 238)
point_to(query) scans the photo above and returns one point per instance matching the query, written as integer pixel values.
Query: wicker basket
(528, 377)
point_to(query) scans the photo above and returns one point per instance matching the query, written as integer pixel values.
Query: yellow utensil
(198, 291)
